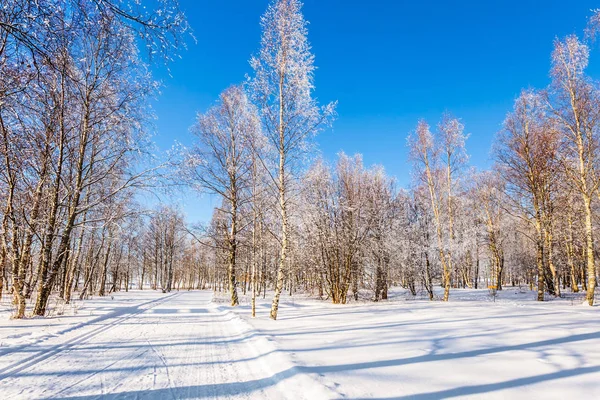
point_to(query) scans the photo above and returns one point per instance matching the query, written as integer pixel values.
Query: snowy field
(146, 344)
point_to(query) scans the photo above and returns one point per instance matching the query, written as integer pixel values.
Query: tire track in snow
(95, 373)
(187, 349)
(164, 363)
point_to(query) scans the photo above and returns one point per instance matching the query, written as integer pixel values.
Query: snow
(470, 347)
(145, 344)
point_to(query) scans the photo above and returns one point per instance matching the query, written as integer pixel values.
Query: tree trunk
(101, 290)
(428, 279)
(232, 253)
(589, 241)
(282, 206)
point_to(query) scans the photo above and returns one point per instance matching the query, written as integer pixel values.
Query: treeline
(74, 91)
(340, 229)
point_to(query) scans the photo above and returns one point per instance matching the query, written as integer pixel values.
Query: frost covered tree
(36, 26)
(73, 111)
(490, 199)
(418, 252)
(337, 222)
(167, 235)
(526, 153)
(437, 160)
(221, 162)
(282, 88)
(382, 220)
(350, 228)
(104, 128)
(574, 100)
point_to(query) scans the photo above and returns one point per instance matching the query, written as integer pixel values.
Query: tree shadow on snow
(492, 387)
(449, 356)
(211, 390)
(240, 388)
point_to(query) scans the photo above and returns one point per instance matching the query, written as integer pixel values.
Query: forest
(76, 153)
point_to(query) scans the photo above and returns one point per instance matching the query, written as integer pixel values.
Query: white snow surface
(146, 345)
(184, 345)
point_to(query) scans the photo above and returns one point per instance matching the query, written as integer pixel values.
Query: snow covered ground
(471, 347)
(145, 344)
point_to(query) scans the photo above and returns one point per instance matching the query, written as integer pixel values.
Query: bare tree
(574, 101)
(221, 162)
(526, 151)
(282, 87)
(437, 160)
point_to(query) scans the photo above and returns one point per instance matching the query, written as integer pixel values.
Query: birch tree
(104, 131)
(526, 153)
(490, 193)
(282, 87)
(574, 100)
(437, 159)
(221, 162)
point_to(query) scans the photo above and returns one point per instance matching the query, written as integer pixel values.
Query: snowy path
(173, 346)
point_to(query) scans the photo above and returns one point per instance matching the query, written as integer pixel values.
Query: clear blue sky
(387, 62)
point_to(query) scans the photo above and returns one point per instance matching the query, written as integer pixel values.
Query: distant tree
(221, 162)
(437, 160)
(490, 196)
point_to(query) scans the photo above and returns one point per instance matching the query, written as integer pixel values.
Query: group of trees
(548, 157)
(341, 229)
(74, 90)
(73, 132)
(254, 139)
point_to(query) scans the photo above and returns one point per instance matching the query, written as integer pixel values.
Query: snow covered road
(151, 346)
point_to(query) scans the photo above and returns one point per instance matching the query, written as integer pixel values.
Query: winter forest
(78, 165)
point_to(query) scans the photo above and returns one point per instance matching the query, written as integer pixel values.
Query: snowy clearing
(145, 344)
(515, 348)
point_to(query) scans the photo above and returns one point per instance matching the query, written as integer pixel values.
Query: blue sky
(387, 62)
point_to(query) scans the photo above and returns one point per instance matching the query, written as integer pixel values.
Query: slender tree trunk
(282, 206)
(540, 269)
(72, 273)
(101, 290)
(539, 252)
(476, 277)
(233, 249)
(254, 272)
(428, 279)
(589, 242)
(551, 266)
(571, 254)
(499, 270)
